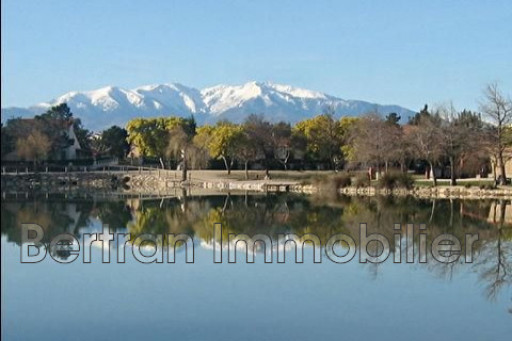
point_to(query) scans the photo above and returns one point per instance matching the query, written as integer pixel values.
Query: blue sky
(400, 52)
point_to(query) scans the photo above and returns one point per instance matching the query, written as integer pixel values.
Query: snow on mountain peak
(297, 92)
(111, 105)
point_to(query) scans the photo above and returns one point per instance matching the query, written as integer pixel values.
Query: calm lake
(259, 301)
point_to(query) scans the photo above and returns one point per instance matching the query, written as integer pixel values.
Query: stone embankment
(250, 185)
(440, 192)
(165, 181)
(100, 180)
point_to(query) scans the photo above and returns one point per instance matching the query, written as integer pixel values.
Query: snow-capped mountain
(107, 106)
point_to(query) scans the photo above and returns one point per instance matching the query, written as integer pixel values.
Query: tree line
(440, 140)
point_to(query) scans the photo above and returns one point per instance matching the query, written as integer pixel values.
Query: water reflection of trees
(277, 214)
(494, 263)
(58, 215)
(270, 214)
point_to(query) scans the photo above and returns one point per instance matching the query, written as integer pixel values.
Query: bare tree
(494, 260)
(259, 132)
(459, 135)
(471, 132)
(426, 139)
(376, 142)
(498, 109)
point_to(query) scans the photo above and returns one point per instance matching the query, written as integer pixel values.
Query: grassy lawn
(311, 176)
(461, 182)
(260, 175)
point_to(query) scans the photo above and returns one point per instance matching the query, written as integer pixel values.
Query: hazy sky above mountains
(400, 52)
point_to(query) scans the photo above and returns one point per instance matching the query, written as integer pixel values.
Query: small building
(74, 150)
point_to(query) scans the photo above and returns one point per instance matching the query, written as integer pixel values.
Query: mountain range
(101, 108)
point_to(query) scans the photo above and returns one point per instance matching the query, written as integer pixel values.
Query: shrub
(328, 186)
(342, 180)
(392, 180)
(405, 180)
(361, 180)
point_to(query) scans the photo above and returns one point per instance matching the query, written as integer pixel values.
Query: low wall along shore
(434, 192)
(162, 181)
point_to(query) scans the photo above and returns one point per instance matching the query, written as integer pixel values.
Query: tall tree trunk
(451, 212)
(226, 201)
(227, 164)
(184, 169)
(267, 167)
(433, 171)
(453, 179)
(503, 211)
(285, 165)
(184, 200)
(404, 166)
(432, 210)
(494, 175)
(501, 164)
(246, 168)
